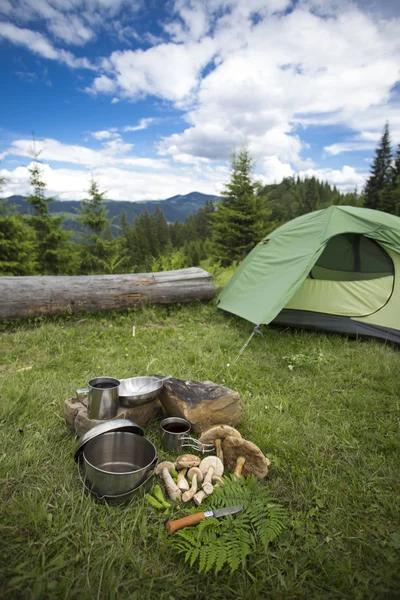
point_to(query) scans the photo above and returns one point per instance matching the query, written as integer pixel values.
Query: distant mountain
(176, 208)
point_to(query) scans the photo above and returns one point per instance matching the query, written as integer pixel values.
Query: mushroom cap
(256, 463)
(193, 471)
(186, 461)
(218, 432)
(164, 465)
(212, 461)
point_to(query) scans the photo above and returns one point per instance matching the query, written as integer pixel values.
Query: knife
(194, 519)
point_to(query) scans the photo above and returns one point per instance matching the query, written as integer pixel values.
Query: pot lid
(106, 427)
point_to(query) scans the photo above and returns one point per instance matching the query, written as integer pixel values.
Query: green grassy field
(324, 409)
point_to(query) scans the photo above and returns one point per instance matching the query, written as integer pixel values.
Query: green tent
(336, 269)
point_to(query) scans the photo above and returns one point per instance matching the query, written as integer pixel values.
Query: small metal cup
(175, 436)
(103, 397)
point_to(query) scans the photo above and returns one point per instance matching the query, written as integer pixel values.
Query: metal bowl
(118, 462)
(137, 391)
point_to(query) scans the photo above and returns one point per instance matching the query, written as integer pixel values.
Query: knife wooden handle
(194, 519)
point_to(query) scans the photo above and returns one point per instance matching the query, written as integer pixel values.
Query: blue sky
(152, 97)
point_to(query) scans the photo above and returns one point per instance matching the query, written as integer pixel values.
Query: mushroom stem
(172, 489)
(199, 497)
(182, 482)
(218, 449)
(187, 496)
(239, 466)
(209, 476)
(201, 494)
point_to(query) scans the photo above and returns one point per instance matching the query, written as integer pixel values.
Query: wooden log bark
(47, 295)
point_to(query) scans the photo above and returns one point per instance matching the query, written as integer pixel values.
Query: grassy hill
(176, 208)
(323, 408)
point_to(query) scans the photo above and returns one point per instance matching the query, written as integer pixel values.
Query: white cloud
(102, 134)
(345, 179)
(350, 146)
(170, 71)
(272, 170)
(119, 183)
(143, 124)
(38, 43)
(69, 21)
(285, 69)
(114, 151)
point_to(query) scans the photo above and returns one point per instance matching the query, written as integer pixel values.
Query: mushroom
(243, 455)
(199, 497)
(195, 476)
(216, 434)
(211, 465)
(164, 469)
(181, 482)
(187, 461)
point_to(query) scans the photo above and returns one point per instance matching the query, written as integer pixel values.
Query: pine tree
(123, 224)
(311, 200)
(93, 216)
(381, 171)
(54, 254)
(396, 166)
(17, 243)
(161, 230)
(235, 222)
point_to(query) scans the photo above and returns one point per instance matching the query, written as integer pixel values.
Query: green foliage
(228, 541)
(95, 251)
(17, 243)
(54, 255)
(381, 172)
(235, 230)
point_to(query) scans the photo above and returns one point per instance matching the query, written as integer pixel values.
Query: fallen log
(47, 295)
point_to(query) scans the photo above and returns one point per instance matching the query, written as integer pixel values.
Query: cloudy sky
(153, 96)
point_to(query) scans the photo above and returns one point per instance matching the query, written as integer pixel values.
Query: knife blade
(194, 519)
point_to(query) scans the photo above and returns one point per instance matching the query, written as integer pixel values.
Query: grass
(324, 409)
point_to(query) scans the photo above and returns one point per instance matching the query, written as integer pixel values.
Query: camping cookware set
(117, 460)
(107, 393)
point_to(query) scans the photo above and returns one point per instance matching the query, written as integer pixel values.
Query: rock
(203, 404)
(76, 414)
(72, 408)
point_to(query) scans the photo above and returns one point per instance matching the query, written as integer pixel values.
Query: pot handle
(82, 391)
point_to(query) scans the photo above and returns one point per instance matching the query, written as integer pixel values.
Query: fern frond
(227, 542)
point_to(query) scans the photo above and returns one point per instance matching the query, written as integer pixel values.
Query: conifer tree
(54, 255)
(161, 230)
(311, 200)
(235, 222)
(123, 224)
(93, 216)
(381, 171)
(17, 243)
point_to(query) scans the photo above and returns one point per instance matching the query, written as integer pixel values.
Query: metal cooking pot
(117, 499)
(118, 462)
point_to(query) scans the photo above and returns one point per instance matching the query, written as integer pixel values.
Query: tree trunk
(31, 296)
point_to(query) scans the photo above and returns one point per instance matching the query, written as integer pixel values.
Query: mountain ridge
(175, 208)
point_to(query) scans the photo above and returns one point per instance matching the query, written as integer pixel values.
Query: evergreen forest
(221, 234)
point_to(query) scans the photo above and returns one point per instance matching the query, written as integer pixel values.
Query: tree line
(247, 211)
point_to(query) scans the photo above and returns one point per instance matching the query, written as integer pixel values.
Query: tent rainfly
(336, 269)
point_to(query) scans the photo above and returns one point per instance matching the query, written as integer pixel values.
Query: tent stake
(255, 330)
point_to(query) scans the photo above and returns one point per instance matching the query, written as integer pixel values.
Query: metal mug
(103, 397)
(175, 436)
